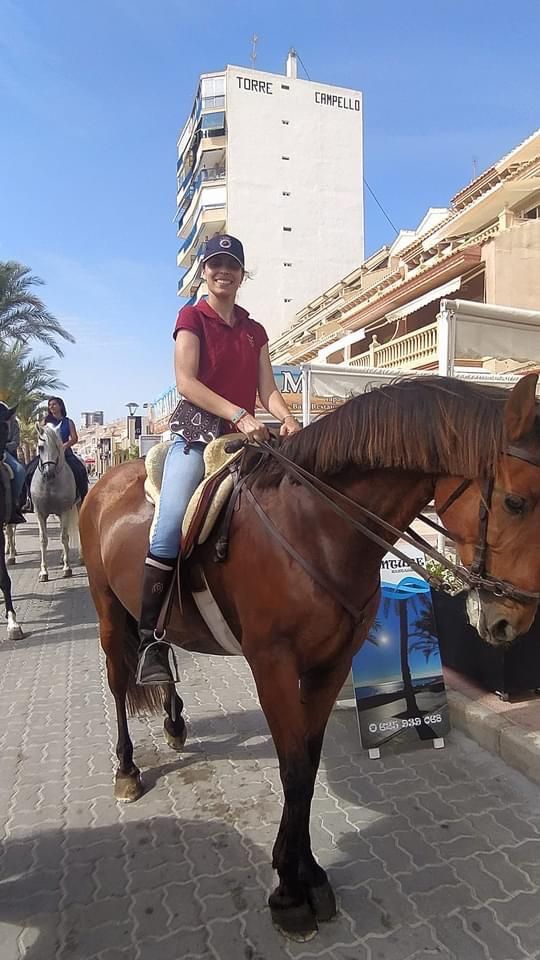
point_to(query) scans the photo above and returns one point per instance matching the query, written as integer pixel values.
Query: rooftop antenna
(474, 168)
(253, 57)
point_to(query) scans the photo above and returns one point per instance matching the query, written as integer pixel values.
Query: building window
(285, 122)
(287, 299)
(533, 214)
(213, 124)
(213, 103)
(285, 193)
(287, 264)
(285, 158)
(287, 229)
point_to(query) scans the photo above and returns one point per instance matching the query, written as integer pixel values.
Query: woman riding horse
(221, 361)
(10, 457)
(57, 416)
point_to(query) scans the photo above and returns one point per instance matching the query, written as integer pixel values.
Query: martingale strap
(357, 615)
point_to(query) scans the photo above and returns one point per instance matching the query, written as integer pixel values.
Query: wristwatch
(238, 415)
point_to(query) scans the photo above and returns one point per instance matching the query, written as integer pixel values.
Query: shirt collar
(205, 308)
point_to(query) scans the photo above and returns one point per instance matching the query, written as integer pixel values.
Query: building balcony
(412, 351)
(211, 220)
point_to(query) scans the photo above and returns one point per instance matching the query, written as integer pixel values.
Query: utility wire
(302, 64)
(381, 208)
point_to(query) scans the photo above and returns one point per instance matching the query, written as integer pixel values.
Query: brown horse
(392, 450)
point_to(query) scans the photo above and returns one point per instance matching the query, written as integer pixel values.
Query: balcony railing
(213, 173)
(408, 352)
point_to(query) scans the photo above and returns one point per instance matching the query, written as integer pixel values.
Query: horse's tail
(73, 530)
(139, 698)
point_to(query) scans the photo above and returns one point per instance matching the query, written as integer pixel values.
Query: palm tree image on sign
(397, 675)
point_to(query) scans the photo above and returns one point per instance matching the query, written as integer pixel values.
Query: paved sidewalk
(432, 854)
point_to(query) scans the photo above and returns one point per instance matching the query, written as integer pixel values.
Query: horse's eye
(515, 504)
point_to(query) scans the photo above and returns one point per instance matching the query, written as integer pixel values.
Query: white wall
(324, 177)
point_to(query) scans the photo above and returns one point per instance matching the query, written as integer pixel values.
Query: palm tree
(23, 316)
(26, 380)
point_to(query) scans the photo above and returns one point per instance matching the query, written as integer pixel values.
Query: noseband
(47, 463)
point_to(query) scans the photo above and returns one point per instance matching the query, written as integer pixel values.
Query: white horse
(53, 491)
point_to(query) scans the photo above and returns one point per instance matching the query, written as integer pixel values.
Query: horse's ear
(520, 409)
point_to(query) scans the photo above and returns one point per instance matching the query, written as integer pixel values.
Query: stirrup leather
(173, 665)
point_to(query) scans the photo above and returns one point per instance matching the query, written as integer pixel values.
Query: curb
(517, 747)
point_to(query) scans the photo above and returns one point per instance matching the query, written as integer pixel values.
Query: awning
(436, 294)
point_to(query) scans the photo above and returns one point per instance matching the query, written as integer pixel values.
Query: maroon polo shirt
(229, 356)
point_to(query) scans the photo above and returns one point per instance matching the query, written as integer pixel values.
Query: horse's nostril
(502, 631)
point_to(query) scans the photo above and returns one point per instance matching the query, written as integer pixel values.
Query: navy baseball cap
(224, 244)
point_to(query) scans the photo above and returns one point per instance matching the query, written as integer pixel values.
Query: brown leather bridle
(475, 577)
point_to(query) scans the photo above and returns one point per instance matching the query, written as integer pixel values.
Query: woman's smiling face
(223, 275)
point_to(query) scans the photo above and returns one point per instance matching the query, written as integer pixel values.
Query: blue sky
(93, 97)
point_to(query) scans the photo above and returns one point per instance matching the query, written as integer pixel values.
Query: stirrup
(173, 665)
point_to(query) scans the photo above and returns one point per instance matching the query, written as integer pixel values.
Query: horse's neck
(394, 495)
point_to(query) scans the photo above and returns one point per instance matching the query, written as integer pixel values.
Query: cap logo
(225, 243)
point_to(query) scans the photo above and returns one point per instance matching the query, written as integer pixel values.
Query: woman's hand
(289, 426)
(252, 429)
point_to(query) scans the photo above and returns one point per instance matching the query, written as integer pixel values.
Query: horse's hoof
(128, 789)
(11, 561)
(322, 902)
(15, 633)
(43, 577)
(295, 923)
(175, 741)
(68, 572)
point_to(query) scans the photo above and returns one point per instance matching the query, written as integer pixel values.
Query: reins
(475, 577)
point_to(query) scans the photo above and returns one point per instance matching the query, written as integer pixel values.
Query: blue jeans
(181, 476)
(19, 474)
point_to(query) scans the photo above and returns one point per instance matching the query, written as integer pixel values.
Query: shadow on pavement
(68, 890)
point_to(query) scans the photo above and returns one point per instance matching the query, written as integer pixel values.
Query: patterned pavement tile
(432, 854)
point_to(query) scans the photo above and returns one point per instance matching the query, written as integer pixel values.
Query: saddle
(209, 498)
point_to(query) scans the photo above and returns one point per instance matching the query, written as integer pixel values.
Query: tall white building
(276, 161)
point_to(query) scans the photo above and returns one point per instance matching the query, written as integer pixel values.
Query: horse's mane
(430, 424)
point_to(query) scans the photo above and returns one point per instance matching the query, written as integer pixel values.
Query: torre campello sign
(333, 100)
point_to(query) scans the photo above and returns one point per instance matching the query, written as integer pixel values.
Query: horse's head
(50, 451)
(496, 524)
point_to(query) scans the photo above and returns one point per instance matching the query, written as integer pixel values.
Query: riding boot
(156, 659)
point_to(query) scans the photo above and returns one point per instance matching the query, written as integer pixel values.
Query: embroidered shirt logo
(251, 339)
(225, 243)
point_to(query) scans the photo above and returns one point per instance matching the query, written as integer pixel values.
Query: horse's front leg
(11, 552)
(43, 542)
(14, 631)
(278, 687)
(64, 536)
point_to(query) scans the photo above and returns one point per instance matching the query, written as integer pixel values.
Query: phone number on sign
(392, 726)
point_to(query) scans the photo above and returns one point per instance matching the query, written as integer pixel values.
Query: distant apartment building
(277, 161)
(484, 248)
(92, 418)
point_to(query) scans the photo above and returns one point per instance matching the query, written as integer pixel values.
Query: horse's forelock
(52, 433)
